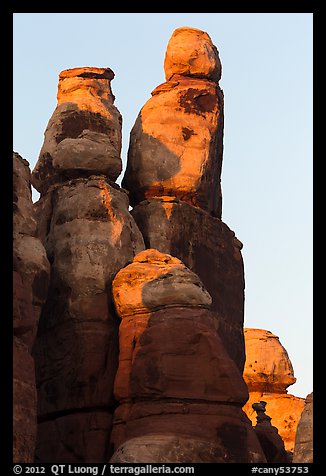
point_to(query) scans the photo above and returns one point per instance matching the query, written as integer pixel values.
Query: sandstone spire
(89, 235)
(173, 177)
(268, 372)
(180, 393)
(176, 143)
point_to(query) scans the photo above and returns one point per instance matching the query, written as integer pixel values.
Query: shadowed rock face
(83, 136)
(303, 449)
(90, 236)
(210, 249)
(268, 372)
(178, 389)
(176, 144)
(31, 271)
(179, 346)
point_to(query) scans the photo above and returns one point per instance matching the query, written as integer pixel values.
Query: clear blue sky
(267, 165)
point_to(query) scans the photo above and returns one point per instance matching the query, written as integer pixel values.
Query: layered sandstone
(89, 235)
(31, 271)
(173, 178)
(83, 136)
(303, 448)
(180, 393)
(268, 372)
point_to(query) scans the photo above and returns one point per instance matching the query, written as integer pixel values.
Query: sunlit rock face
(268, 372)
(90, 236)
(180, 393)
(304, 448)
(83, 136)
(176, 144)
(31, 271)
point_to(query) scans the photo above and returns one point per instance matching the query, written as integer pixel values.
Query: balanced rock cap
(154, 281)
(190, 52)
(76, 83)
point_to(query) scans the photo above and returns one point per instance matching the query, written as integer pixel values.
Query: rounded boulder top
(268, 367)
(155, 281)
(191, 52)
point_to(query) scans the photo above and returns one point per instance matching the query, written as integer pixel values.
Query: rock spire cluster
(134, 318)
(173, 177)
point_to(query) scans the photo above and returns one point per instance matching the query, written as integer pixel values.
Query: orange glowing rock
(190, 52)
(176, 144)
(91, 236)
(267, 367)
(268, 372)
(83, 136)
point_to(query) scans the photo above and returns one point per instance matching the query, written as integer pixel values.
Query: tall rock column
(180, 393)
(268, 372)
(31, 271)
(89, 235)
(173, 176)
